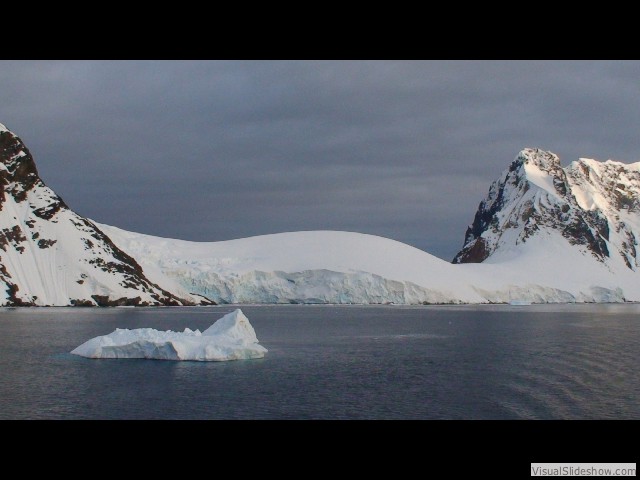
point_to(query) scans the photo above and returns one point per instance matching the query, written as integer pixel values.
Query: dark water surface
(349, 362)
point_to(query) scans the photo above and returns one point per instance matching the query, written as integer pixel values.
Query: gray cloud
(220, 150)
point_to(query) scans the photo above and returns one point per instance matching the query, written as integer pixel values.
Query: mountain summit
(592, 205)
(49, 255)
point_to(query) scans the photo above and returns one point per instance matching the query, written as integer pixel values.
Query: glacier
(300, 267)
(231, 337)
(353, 268)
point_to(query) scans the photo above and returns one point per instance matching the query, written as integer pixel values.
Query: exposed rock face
(594, 205)
(49, 255)
(613, 190)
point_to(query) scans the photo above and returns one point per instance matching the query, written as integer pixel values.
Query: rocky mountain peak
(49, 255)
(544, 160)
(18, 172)
(535, 195)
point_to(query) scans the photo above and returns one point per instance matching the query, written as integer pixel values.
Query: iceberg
(230, 338)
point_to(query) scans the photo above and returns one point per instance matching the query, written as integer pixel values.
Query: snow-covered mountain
(50, 255)
(543, 234)
(572, 229)
(594, 206)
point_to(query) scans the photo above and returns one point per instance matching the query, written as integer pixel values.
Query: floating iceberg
(230, 338)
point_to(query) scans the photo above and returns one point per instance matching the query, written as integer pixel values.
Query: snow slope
(49, 255)
(230, 338)
(300, 267)
(345, 267)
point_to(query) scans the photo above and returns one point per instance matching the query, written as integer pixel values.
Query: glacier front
(230, 338)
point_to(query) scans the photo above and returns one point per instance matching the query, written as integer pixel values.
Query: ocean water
(335, 362)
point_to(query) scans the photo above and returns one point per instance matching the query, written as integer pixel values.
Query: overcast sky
(221, 150)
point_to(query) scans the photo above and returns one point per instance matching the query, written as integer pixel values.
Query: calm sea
(335, 362)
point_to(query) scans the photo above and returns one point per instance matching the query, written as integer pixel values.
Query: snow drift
(230, 338)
